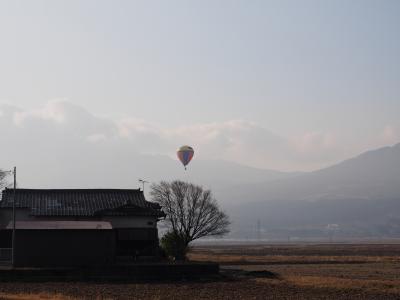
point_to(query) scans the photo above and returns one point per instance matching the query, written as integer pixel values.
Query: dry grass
(372, 285)
(304, 272)
(372, 269)
(231, 259)
(39, 296)
(238, 289)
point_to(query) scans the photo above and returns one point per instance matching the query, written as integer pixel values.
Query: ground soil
(292, 271)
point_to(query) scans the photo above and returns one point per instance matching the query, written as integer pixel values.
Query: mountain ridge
(361, 194)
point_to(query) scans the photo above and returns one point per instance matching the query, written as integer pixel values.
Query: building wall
(131, 222)
(20, 215)
(64, 248)
(116, 221)
(131, 234)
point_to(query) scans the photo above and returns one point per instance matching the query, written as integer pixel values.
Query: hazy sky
(290, 85)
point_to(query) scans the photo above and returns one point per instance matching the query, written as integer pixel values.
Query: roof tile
(78, 202)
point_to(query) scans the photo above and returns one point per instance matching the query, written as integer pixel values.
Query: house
(71, 227)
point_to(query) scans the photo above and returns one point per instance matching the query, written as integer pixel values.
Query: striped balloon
(185, 155)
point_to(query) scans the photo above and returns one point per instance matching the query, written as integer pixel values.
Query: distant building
(73, 227)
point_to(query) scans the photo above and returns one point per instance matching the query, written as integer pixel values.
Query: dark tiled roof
(79, 202)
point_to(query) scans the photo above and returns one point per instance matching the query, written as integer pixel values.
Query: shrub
(174, 245)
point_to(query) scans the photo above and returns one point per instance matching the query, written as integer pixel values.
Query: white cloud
(241, 141)
(315, 141)
(52, 111)
(236, 140)
(131, 126)
(390, 135)
(96, 138)
(65, 118)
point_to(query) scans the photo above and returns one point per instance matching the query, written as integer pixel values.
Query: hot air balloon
(185, 155)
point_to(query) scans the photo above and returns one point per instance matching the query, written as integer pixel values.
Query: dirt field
(308, 271)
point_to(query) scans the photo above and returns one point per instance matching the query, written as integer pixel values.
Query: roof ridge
(78, 202)
(74, 189)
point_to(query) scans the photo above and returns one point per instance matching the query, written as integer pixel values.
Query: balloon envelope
(185, 154)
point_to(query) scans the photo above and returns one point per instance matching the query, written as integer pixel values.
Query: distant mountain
(363, 191)
(222, 175)
(361, 194)
(374, 174)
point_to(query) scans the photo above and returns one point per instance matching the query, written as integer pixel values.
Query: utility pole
(13, 231)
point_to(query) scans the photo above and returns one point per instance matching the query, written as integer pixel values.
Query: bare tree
(3, 179)
(192, 212)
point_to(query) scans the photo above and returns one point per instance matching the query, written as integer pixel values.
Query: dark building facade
(72, 227)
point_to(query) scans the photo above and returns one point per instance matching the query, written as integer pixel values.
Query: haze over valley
(69, 147)
(292, 108)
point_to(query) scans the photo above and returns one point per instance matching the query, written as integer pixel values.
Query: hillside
(362, 194)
